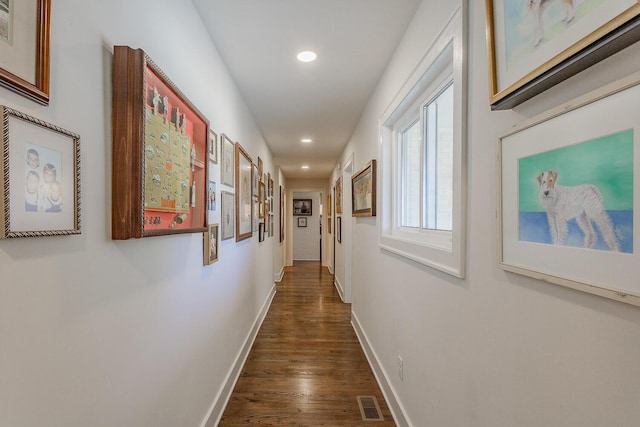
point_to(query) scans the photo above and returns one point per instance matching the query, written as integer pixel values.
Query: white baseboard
(224, 394)
(339, 287)
(330, 267)
(394, 404)
(279, 276)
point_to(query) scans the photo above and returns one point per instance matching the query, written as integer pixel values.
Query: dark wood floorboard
(306, 366)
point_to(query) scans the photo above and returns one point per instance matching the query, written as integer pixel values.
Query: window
(422, 155)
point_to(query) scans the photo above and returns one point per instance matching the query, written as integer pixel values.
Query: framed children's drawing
(363, 191)
(227, 169)
(24, 47)
(40, 189)
(160, 145)
(569, 199)
(244, 172)
(210, 243)
(536, 44)
(213, 147)
(228, 215)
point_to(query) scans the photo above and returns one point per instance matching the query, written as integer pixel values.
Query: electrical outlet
(400, 368)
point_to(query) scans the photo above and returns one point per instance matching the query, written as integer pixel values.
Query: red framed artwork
(160, 148)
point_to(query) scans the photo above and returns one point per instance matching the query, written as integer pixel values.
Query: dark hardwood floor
(306, 366)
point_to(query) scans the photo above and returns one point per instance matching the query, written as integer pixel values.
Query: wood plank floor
(306, 366)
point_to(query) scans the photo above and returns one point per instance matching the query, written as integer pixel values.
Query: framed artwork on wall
(303, 207)
(329, 225)
(213, 147)
(339, 229)
(40, 189)
(254, 181)
(566, 216)
(363, 191)
(282, 214)
(228, 215)
(244, 206)
(227, 169)
(160, 144)
(339, 195)
(261, 232)
(211, 198)
(536, 45)
(210, 242)
(24, 47)
(302, 221)
(261, 199)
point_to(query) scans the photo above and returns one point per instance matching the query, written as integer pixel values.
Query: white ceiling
(323, 100)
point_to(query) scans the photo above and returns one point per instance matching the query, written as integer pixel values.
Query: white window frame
(443, 62)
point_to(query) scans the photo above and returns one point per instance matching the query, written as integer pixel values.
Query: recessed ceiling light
(305, 166)
(307, 56)
(306, 140)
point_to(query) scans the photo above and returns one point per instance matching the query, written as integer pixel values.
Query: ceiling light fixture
(305, 166)
(307, 56)
(306, 140)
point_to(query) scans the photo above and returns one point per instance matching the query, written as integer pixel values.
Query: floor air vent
(369, 408)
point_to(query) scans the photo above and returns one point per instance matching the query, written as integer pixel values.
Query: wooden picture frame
(254, 181)
(25, 57)
(260, 169)
(328, 225)
(213, 147)
(565, 215)
(261, 199)
(363, 191)
(160, 144)
(563, 42)
(210, 243)
(339, 195)
(282, 214)
(329, 207)
(302, 221)
(228, 215)
(303, 207)
(40, 187)
(244, 207)
(227, 168)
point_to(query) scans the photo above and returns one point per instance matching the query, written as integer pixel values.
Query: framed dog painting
(535, 44)
(569, 196)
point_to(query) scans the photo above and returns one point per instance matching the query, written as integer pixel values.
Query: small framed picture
(40, 191)
(302, 221)
(213, 147)
(363, 191)
(339, 229)
(261, 232)
(227, 169)
(211, 198)
(228, 215)
(210, 242)
(302, 207)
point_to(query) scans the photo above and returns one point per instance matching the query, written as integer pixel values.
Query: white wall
(495, 349)
(306, 240)
(95, 332)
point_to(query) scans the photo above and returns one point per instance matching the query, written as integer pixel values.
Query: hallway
(306, 366)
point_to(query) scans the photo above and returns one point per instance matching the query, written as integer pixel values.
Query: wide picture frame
(40, 189)
(25, 27)
(569, 194)
(244, 207)
(533, 46)
(363, 191)
(302, 207)
(160, 145)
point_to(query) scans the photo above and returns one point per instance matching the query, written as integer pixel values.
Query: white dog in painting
(538, 7)
(582, 202)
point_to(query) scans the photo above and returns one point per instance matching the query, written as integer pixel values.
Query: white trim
(279, 276)
(450, 45)
(224, 394)
(339, 287)
(398, 412)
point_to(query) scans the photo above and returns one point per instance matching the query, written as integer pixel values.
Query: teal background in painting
(606, 162)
